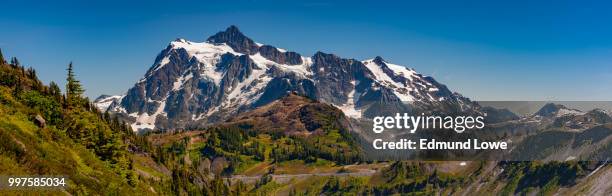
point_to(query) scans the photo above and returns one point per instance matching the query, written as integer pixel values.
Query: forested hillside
(46, 132)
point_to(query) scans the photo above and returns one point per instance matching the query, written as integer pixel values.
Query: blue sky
(518, 50)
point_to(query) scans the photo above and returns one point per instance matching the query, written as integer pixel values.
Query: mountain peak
(180, 40)
(232, 28)
(235, 39)
(321, 54)
(194, 84)
(549, 109)
(552, 109)
(379, 60)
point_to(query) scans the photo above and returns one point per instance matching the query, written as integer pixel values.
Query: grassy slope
(27, 149)
(30, 150)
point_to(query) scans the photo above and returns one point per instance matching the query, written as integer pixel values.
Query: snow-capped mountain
(194, 83)
(103, 102)
(557, 110)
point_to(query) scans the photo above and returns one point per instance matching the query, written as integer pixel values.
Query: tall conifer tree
(74, 90)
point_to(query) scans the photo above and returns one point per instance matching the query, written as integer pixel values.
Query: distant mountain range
(192, 84)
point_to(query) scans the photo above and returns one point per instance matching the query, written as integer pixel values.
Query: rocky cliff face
(192, 84)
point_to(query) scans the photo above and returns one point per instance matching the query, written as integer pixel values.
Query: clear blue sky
(514, 50)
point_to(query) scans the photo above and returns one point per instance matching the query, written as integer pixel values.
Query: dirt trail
(284, 178)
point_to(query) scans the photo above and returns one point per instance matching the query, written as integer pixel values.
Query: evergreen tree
(31, 73)
(18, 87)
(1, 58)
(15, 62)
(55, 91)
(74, 90)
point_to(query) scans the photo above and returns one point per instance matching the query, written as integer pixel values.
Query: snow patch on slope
(401, 70)
(349, 107)
(248, 90)
(178, 84)
(146, 121)
(406, 83)
(565, 111)
(207, 54)
(387, 81)
(301, 69)
(161, 64)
